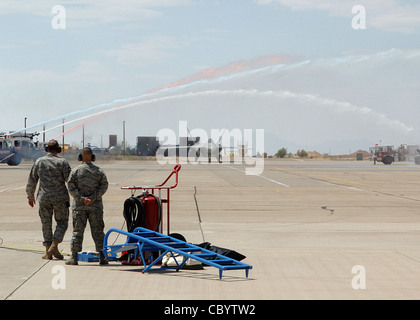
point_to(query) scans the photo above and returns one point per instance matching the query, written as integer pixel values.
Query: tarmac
(311, 229)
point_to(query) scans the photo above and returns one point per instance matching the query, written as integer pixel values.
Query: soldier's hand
(87, 201)
(31, 203)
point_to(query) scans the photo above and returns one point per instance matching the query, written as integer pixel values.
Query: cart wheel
(178, 236)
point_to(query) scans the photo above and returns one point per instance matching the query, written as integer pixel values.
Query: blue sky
(119, 49)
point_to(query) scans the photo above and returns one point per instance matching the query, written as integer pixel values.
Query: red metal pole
(167, 208)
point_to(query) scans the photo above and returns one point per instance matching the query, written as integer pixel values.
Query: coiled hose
(135, 215)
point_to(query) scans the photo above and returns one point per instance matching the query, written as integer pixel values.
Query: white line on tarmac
(258, 175)
(12, 189)
(125, 178)
(355, 189)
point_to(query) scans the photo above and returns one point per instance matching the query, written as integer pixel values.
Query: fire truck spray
(237, 70)
(333, 105)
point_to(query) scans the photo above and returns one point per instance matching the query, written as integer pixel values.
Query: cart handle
(175, 171)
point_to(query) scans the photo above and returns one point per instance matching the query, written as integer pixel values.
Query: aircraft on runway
(193, 147)
(14, 148)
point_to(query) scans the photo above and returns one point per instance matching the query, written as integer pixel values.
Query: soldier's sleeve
(32, 182)
(102, 188)
(73, 186)
(66, 170)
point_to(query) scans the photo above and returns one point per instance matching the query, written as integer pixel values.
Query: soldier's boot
(102, 259)
(72, 260)
(47, 255)
(54, 250)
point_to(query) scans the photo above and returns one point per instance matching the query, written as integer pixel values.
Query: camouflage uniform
(53, 198)
(87, 180)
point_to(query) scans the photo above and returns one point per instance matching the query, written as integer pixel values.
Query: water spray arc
(219, 75)
(337, 106)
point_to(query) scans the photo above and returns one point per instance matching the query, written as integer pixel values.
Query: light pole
(63, 136)
(124, 137)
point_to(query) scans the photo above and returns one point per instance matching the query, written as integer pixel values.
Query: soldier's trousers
(60, 211)
(96, 222)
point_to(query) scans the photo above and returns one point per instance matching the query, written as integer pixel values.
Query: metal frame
(159, 187)
(147, 241)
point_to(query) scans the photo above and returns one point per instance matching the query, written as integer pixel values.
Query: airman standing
(87, 183)
(53, 198)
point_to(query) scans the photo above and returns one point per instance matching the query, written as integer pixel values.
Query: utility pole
(124, 137)
(63, 136)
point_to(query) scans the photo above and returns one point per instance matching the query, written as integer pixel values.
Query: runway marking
(258, 175)
(319, 178)
(125, 178)
(12, 189)
(356, 189)
(347, 181)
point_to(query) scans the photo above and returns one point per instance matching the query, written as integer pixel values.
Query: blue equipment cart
(143, 241)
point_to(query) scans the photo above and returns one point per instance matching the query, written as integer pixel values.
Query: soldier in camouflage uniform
(53, 197)
(87, 183)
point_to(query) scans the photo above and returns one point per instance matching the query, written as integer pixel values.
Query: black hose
(134, 214)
